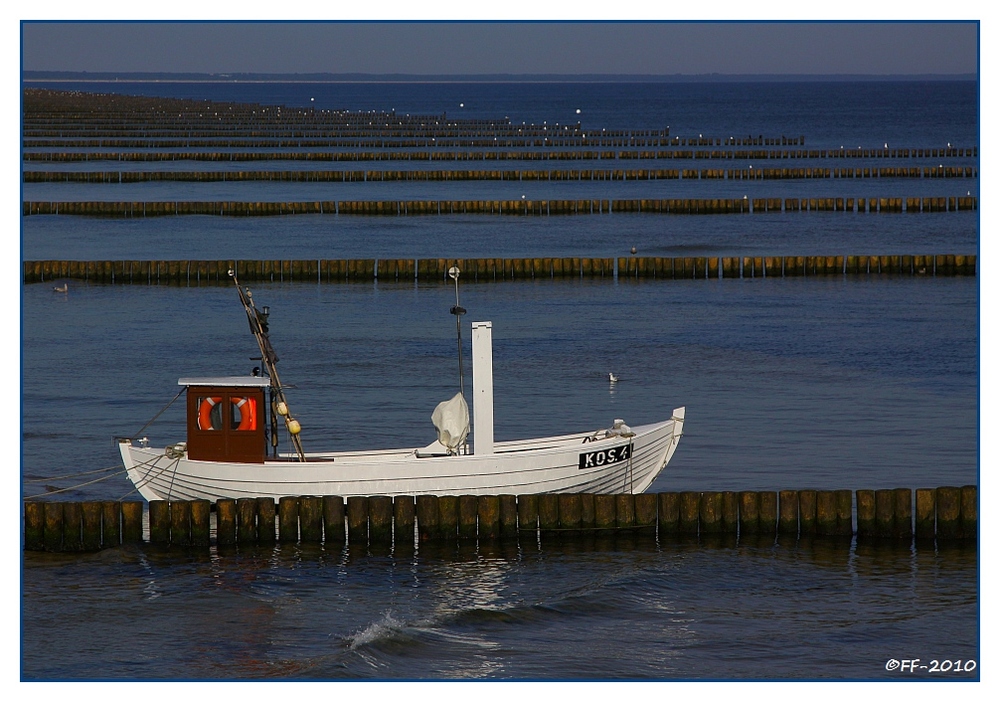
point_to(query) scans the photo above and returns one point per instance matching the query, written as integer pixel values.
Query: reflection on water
(695, 608)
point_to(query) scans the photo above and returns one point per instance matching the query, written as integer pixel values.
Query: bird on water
(62, 288)
(612, 377)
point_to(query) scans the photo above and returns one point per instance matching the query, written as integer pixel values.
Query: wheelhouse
(226, 418)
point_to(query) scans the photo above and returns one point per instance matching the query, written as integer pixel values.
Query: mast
(258, 327)
(458, 311)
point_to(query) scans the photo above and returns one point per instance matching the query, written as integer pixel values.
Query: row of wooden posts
(679, 206)
(902, 513)
(81, 133)
(490, 155)
(491, 269)
(381, 176)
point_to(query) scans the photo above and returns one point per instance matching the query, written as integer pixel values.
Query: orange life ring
(205, 422)
(248, 414)
(246, 405)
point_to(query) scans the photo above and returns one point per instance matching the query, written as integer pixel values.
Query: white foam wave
(385, 627)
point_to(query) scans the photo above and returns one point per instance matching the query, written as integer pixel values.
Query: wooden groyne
(495, 154)
(75, 126)
(943, 513)
(516, 175)
(215, 272)
(398, 208)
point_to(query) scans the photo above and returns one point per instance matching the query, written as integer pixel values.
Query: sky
(453, 47)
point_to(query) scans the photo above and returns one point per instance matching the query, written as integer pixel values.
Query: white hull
(548, 465)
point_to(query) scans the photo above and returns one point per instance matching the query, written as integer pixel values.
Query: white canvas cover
(451, 418)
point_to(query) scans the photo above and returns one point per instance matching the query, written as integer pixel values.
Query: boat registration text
(596, 459)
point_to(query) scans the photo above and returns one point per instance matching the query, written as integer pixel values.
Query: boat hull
(563, 464)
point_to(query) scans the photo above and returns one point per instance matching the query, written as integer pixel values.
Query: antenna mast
(458, 311)
(258, 327)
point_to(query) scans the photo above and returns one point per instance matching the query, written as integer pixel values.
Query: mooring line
(157, 415)
(73, 487)
(70, 475)
(149, 476)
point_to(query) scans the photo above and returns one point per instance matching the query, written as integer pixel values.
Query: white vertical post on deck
(482, 387)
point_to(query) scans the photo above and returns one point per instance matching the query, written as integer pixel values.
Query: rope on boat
(157, 416)
(71, 475)
(130, 492)
(629, 471)
(173, 473)
(154, 464)
(73, 487)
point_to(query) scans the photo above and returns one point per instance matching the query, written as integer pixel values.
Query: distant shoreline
(331, 78)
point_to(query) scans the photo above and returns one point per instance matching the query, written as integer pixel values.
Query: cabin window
(209, 413)
(244, 414)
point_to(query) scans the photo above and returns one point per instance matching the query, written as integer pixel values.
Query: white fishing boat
(234, 423)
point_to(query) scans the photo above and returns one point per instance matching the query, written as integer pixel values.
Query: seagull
(612, 377)
(633, 251)
(63, 288)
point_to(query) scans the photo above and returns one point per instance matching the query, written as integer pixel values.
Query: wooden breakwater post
(426, 512)
(624, 511)
(447, 527)
(288, 519)
(311, 519)
(382, 521)
(225, 522)
(403, 519)
(570, 511)
(357, 519)
(508, 505)
(690, 510)
(644, 511)
(488, 516)
(380, 526)
(527, 513)
(334, 525)
(267, 522)
(468, 515)
(710, 513)
(668, 512)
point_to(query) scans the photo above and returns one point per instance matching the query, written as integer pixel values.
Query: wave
(386, 628)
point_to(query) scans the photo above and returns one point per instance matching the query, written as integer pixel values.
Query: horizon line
(330, 77)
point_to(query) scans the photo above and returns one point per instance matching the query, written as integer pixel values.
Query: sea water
(789, 383)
